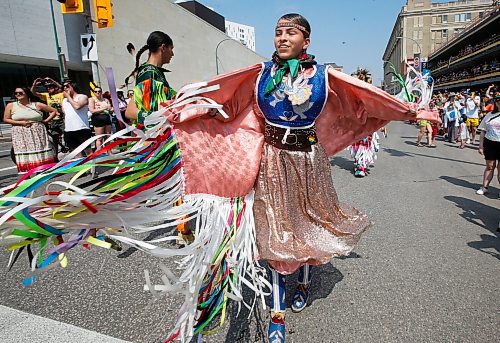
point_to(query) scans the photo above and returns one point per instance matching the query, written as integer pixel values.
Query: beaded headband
(283, 23)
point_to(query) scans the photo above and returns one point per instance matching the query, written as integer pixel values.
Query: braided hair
(154, 42)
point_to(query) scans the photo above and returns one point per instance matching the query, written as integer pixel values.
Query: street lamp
(419, 47)
(216, 57)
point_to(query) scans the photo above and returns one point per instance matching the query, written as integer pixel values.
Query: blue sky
(351, 33)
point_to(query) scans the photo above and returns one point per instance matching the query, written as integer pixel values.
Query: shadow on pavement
(477, 213)
(471, 185)
(460, 182)
(484, 216)
(342, 163)
(487, 242)
(397, 153)
(254, 329)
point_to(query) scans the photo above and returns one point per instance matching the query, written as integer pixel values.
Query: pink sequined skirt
(297, 213)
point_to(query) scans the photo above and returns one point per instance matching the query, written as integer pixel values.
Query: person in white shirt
(76, 122)
(489, 145)
(452, 112)
(472, 105)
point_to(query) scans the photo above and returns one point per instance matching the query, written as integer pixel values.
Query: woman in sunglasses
(30, 140)
(101, 109)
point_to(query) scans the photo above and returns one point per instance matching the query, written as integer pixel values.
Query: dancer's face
(290, 42)
(167, 53)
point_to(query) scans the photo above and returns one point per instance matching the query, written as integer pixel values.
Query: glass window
(445, 33)
(434, 19)
(445, 18)
(468, 16)
(420, 34)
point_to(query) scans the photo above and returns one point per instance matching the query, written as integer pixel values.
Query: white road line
(5, 150)
(20, 326)
(8, 168)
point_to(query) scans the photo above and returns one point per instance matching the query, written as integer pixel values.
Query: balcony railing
(470, 79)
(468, 53)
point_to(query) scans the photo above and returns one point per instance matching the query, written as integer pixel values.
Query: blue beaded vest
(279, 110)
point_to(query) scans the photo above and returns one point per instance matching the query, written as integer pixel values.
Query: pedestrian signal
(103, 14)
(71, 6)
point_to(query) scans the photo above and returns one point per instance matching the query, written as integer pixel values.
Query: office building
(243, 33)
(423, 26)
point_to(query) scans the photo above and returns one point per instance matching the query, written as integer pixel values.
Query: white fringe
(211, 214)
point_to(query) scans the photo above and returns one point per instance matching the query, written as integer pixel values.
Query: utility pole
(58, 48)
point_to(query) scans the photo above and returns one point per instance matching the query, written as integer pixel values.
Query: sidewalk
(17, 326)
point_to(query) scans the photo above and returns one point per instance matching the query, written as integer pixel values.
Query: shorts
(74, 139)
(423, 123)
(101, 120)
(491, 150)
(472, 122)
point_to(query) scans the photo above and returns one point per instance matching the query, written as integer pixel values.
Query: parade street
(427, 271)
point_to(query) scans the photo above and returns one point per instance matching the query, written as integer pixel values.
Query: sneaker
(482, 191)
(300, 298)
(467, 141)
(276, 331)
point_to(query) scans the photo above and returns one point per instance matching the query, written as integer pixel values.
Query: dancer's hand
(481, 150)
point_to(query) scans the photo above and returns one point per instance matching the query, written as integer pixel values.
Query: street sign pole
(88, 46)
(58, 48)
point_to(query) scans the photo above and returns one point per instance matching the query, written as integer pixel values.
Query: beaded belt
(295, 139)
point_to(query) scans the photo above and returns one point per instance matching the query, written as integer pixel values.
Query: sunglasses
(97, 91)
(18, 93)
(66, 86)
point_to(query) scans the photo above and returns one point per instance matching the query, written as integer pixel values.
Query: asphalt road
(428, 270)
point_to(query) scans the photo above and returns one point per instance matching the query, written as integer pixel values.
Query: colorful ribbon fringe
(137, 189)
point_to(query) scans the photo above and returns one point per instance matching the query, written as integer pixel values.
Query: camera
(44, 83)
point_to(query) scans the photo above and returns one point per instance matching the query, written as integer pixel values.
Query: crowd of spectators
(58, 117)
(470, 119)
(469, 49)
(477, 70)
(456, 108)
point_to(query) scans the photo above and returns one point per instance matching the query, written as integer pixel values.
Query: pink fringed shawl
(221, 157)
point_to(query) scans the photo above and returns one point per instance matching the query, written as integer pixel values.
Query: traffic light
(71, 6)
(103, 14)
